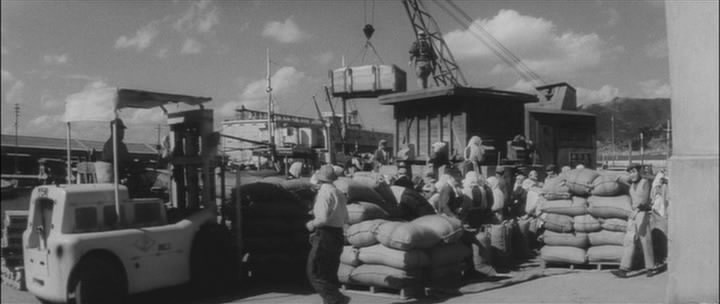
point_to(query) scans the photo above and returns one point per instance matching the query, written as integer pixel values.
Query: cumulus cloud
(94, 103)
(541, 45)
(200, 17)
(657, 49)
(285, 32)
(655, 88)
(522, 86)
(7, 76)
(46, 120)
(55, 59)
(48, 102)
(16, 92)
(254, 94)
(191, 46)
(604, 94)
(324, 58)
(142, 39)
(613, 17)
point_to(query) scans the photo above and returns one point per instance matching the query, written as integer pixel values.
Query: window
(85, 219)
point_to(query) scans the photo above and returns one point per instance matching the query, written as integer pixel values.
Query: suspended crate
(367, 81)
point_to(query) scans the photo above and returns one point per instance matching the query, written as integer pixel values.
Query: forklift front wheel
(98, 281)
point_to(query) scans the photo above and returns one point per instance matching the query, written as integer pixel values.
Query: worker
(550, 172)
(474, 154)
(638, 225)
(402, 179)
(450, 201)
(502, 183)
(326, 238)
(381, 157)
(498, 200)
(295, 170)
(422, 56)
(104, 167)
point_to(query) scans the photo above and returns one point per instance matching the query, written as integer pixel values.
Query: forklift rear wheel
(98, 281)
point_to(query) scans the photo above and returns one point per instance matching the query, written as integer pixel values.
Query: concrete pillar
(693, 223)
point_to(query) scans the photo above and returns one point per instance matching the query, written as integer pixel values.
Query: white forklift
(92, 243)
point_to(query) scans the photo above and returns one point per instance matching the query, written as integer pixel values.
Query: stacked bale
(403, 255)
(564, 217)
(611, 205)
(273, 225)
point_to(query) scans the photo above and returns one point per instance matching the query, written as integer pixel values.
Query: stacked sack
(273, 225)
(563, 215)
(611, 205)
(404, 255)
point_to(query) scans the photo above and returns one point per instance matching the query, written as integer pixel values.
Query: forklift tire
(99, 281)
(211, 260)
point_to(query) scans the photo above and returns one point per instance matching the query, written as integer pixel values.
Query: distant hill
(632, 116)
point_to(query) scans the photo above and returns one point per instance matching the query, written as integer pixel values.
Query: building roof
(75, 144)
(538, 108)
(454, 91)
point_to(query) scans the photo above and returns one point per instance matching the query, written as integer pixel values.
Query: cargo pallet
(385, 292)
(586, 266)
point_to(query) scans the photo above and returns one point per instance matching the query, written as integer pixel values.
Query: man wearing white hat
(326, 238)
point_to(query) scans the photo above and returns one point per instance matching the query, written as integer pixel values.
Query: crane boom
(445, 69)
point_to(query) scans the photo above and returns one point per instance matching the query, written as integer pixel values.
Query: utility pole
(158, 134)
(271, 129)
(642, 149)
(17, 117)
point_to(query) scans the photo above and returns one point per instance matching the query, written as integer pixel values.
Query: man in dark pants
(326, 238)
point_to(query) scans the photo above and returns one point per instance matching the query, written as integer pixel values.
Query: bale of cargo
(411, 204)
(349, 256)
(344, 273)
(301, 187)
(448, 229)
(580, 181)
(378, 183)
(563, 254)
(400, 259)
(446, 254)
(408, 235)
(556, 185)
(578, 239)
(608, 185)
(363, 234)
(556, 196)
(569, 207)
(386, 276)
(614, 224)
(557, 222)
(606, 237)
(482, 253)
(610, 206)
(273, 226)
(605, 254)
(586, 223)
(364, 211)
(358, 192)
(383, 231)
(273, 180)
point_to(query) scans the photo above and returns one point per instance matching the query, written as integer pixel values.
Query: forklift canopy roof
(101, 104)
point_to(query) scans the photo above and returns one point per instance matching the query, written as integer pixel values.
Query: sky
(55, 49)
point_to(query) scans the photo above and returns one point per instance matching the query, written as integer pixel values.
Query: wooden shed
(453, 115)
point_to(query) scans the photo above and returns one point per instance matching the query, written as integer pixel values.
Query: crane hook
(368, 30)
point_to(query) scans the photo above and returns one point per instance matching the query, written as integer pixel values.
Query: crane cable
(368, 30)
(493, 44)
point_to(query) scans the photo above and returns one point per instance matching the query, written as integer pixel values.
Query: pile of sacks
(275, 238)
(403, 254)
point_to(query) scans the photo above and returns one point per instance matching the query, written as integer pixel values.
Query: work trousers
(638, 228)
(423, 69)
(323, 262)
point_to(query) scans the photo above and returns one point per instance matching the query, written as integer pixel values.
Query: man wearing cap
(326, 238)
(104, 167)
(638, 225)
(422, 56)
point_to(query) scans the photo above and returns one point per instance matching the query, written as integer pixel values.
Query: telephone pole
(17, 117)
(158, 134)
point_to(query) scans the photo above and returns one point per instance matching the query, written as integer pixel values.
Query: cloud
(537, 41)
(7, 76)
(254, 94)
(657, 49)
(522, 86)
(48, 102)
(142, 39)
(191, 46)
(604, 94)
(284, 32)
(201, 17)
(88, 78)
(613, 17)
(55, 59)
(46, 120)
(654, 88)
(15, 94)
